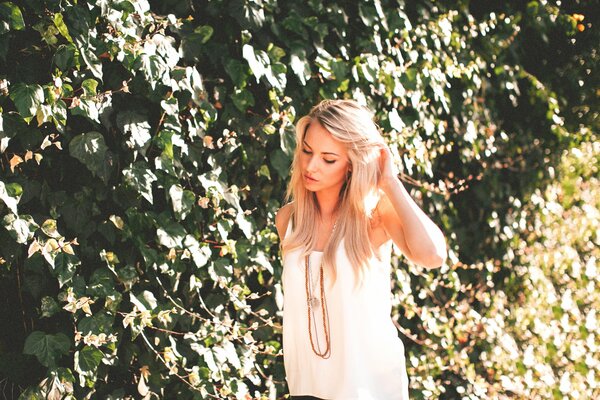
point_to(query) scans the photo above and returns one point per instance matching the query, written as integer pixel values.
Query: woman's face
(323, 160)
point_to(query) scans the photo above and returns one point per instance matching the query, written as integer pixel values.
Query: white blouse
(367, 356)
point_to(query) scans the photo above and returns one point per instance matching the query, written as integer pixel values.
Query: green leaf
(181, 200)
(200, 253)
(101, 283)
(244, 224)
(135, 125)
(21, 228)
(90, 59)
(89, 87)
(171, 235)
(64, 57)
(257, 60)
(281, 162)
(12, 14)
(59, 115)
(299, 65)
(237, 71)
(153, 68)
(193, 83)
(145, 301)
(91, 150)
(88, 359)
(47, 348)
(62, 28)
(48, 307)
(287, 141)
(276, 75)
(139, 177)
(27, 98)
(64, 267)
(11, 194)
(204, 32)
(242, 99)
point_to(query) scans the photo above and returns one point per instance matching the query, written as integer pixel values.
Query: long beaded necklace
(313, 302)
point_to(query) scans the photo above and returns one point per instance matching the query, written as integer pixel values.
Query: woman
(347, 207)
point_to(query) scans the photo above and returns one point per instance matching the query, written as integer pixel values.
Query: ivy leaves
(180, 138)
(90, 148)
(48, 348)
(27, 99)
(11, 194)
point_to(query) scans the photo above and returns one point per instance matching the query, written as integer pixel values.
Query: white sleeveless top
(367, 356)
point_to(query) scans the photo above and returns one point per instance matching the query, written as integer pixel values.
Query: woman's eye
(306, 151)
(329, 161)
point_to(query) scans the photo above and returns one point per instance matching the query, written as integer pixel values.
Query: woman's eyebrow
(324, 152)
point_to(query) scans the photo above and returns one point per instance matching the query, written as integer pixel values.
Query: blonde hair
(352, 125)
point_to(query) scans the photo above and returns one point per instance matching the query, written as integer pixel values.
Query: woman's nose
(312, 164)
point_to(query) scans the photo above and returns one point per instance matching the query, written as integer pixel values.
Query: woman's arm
(408, 226)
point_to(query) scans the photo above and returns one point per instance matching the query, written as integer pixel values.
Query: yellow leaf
(75, 102)
(51, 246)
(117, 221)
(203, 202)
(58, 145)
(38, 157)
(194, 378)
(145, 371)
(34, 247)
(86, 306)
(40, 116)
(14, 161)
(49, 228)
(142, 388)
(46, 143)
(129, 318)
(28, 155)
(67, 248)
(71, 307)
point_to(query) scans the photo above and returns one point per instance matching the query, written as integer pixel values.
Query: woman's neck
(328, 203)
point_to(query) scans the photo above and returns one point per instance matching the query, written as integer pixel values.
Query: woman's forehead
(321, 140)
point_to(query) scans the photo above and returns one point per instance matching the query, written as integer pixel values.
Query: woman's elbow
(434, 260)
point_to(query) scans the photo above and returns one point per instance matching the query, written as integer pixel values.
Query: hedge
(146, 147)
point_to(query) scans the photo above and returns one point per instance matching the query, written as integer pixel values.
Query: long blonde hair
(352, 125)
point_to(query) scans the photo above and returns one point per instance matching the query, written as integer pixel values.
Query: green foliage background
(145, 150)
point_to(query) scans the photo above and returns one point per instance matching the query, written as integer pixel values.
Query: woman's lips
(308, 178)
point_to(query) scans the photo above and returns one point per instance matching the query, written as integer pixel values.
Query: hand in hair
(388, 172)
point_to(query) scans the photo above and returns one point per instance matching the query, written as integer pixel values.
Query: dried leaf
(14, 161)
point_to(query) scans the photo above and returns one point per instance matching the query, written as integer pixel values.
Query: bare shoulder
(282, 218)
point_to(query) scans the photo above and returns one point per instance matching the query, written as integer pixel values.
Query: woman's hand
(388, 173)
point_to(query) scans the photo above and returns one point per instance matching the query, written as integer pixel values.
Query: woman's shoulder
(282, 219)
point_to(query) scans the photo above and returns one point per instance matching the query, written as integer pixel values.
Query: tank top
(367, 356)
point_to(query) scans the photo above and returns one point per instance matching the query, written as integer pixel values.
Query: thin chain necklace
(312, 303)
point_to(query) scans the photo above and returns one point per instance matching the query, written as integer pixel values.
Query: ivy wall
(145, 148)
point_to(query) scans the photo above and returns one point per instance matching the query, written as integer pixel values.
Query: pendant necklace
(313, 302)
